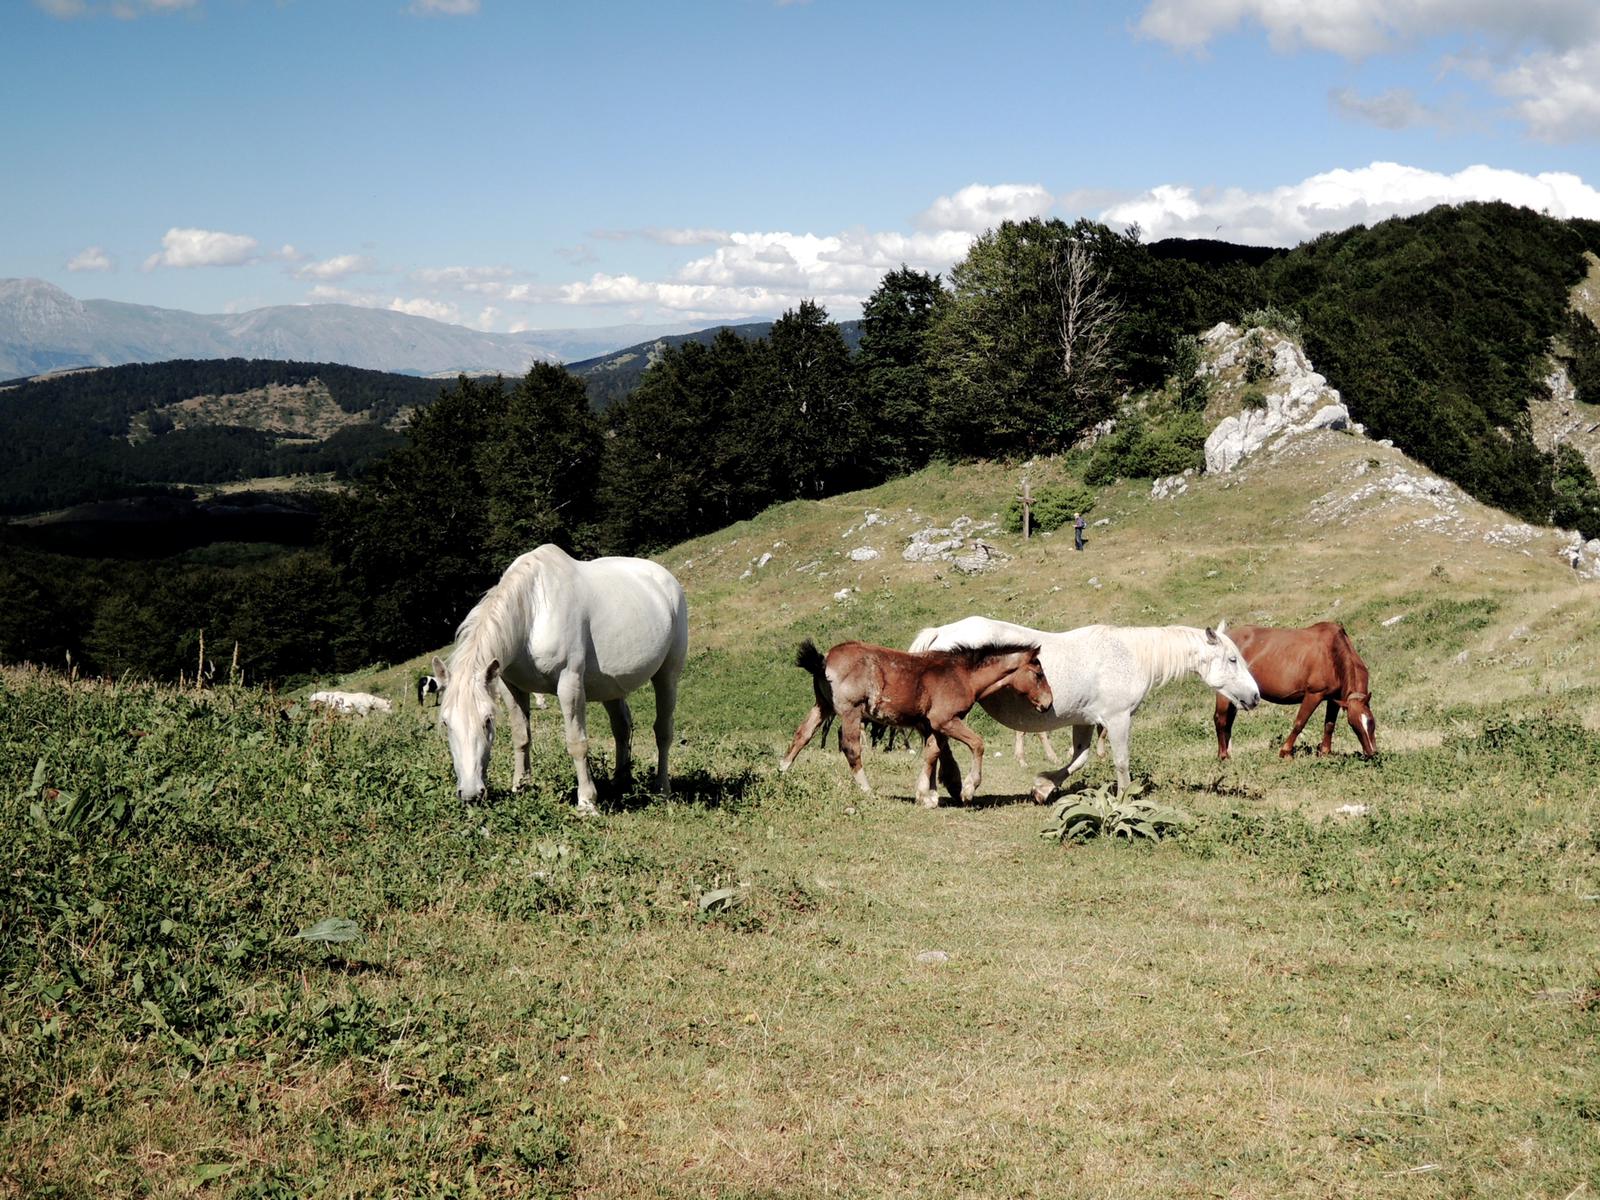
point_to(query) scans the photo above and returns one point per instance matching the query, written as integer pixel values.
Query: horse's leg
(1307, 707)
(1048, 781)
(927, 792)
(1330, 717)
(807, 730)
(949, 768)
(1020, 746)
(574, 716)
(516, 702)
(1222, 718)
(1117, 731)
(850, 743)
(665, 685)
(622, 731)
(956, 728)
(1049, 750)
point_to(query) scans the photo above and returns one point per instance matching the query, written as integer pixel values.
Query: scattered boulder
(984, 557)
(937, 544)
(354, 702)
(1169, 486)
(863, 554)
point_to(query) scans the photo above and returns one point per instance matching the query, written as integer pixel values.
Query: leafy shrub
(1253, 399)
(1282, 320)
(1583, 357)
(1191, 385)
(1146, 449)
(1097, 812)
(1052, 507)
(1577, 495)
(1257, 362)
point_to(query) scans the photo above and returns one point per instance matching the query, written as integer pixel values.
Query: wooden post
(1027, 510)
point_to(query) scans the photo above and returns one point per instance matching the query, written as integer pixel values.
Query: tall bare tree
(1088, 321)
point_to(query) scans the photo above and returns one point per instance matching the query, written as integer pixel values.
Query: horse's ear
(1211, 635)
(1222, 627)
(437, 667)
(491, 672)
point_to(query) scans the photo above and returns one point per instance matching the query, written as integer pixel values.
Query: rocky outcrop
(1298, 399)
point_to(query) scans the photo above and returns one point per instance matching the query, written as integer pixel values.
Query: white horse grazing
(581, 631)
(1099, 675)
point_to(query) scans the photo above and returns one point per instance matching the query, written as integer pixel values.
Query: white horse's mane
(500, 621)
(1164, 652)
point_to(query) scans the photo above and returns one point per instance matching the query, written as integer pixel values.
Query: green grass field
(1289, 1001)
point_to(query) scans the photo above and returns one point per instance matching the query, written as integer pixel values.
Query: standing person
(1077, 530)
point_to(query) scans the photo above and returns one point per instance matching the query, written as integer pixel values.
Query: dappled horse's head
(1223, 669)
(466, 711)
(1358, 708)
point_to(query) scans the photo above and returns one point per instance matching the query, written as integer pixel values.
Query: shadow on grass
(698, 788)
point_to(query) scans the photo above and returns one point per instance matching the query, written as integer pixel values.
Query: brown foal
(929, 692)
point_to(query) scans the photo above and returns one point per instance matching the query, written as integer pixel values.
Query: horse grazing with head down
(581, 631)
(1305, 667)
(929, 693)
(1099, 675)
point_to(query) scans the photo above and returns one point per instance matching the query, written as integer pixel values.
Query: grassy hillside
(1291, 1001)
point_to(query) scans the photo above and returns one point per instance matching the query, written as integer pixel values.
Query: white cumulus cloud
(202, 248)
(978, 206)
(444, 8)
(466, 278)
(336, 267)
(1556, 94)
(1542, 54)
(123, 10)
(92, 258)
(421, 306)
(1338, 199)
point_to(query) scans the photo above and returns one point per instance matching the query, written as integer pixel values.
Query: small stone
(933, 956)
(863, 554)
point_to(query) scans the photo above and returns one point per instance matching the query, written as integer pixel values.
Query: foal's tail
(809, 658)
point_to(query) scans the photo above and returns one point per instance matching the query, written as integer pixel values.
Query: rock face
(1298, 399)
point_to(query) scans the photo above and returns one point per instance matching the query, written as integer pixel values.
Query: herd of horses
(599, 630)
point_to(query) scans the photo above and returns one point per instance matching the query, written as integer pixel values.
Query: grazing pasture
(1351, 978)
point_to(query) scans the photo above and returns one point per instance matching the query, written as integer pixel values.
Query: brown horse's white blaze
(1308, 667)
(929, 693)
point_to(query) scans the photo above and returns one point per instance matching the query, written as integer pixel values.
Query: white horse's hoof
(928, 799)
(783, 765)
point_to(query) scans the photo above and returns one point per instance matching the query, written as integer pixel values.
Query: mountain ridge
(44, 328)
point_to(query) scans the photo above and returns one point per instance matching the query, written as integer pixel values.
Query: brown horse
(929, 693)
(1304, 667)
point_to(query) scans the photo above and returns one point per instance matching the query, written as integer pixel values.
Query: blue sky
(514, 165)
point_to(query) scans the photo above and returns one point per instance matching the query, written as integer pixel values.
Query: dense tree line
(85, 417)
(1435, 328)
